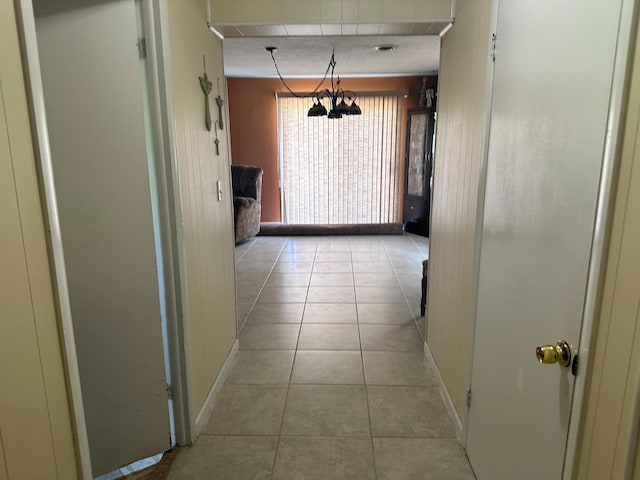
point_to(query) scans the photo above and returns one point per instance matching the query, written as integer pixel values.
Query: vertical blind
(340, 171)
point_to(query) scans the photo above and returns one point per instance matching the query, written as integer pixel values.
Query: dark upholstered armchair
(247, 193)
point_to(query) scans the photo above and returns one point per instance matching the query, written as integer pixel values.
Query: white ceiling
(331, 29)
(309, 56)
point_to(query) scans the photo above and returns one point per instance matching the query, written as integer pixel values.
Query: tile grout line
(293, 364)
(364, 376)
(303, 435)
(296, 348)
(404, 295)
(280, 435)
(253, 304)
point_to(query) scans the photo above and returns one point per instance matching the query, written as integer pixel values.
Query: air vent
(386, 47)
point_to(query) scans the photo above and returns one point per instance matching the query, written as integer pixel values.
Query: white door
(552, 81)
(94, 106)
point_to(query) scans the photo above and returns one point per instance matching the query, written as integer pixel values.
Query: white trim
(156, 33)
(444, 31)
(207, 406)
(632, 446)
(283, 213)
(344, 22)
(178, 331)
(345, 76)
(480, 199)
(215, 31)
(444, 393)
(597, 263)
(227, 131)
(210, 25)
(36, 96)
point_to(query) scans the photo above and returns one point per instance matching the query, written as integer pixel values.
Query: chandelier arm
(323, 78)
(322, 93)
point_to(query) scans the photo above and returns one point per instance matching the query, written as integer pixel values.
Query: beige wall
(458, 156)
(208, 224)
(614, 383)
(35, 424)
(327, 11)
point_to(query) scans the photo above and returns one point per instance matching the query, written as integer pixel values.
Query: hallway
(330, 380)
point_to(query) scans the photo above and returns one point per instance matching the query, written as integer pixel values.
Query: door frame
(35, 96)
(155, 19)
(602, 228)
(156, 25)
(602, 225)
(482, 183)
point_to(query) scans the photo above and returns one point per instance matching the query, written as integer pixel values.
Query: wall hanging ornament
(206, 85)
(430, 97)
(219, 102)
(422, 90)
(217, 141)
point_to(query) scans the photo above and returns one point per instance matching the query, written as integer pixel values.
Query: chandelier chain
(289, 88)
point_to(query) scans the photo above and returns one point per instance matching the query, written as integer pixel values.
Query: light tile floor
(330, 381)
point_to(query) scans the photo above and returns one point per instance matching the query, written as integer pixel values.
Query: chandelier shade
(317, 110)
(335, 95)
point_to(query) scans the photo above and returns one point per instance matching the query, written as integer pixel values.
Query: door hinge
(142, 48)
(170, 391)
(493, 47)
(468, 397)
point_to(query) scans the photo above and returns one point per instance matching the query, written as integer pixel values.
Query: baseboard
(283, 229)
(207, 407)
(448, 402)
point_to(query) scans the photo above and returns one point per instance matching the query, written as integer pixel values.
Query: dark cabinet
(417, 176)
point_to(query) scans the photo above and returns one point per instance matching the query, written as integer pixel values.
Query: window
(341, 171)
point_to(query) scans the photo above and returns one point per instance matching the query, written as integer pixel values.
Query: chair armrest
(243, 202)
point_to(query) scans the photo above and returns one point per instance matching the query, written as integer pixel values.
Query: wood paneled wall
(327, 11)
(458, 159)
(615, 378)
(36, 437)
(208, 236)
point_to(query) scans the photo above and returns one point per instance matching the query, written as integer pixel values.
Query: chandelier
(336, 95)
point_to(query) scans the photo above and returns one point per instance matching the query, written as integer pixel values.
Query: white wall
(36, 438)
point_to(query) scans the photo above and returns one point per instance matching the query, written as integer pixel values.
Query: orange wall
(253, 123)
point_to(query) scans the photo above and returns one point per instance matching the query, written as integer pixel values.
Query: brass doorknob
(558, 353)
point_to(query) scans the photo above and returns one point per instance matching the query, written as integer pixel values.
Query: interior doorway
(96, 103)
(255, 138)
